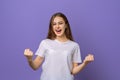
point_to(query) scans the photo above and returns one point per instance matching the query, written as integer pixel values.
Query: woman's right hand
(29, 54)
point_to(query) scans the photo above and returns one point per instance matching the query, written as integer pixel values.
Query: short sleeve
(41, 49)
(77, 54)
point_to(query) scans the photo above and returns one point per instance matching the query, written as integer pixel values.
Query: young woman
(59, 52)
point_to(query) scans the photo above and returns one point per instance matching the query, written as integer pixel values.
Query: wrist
(85, 62)
(29, 59)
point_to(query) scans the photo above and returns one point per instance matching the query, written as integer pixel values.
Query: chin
(59, 35)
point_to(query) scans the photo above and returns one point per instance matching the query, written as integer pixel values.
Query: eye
(60, 22)
(54, 24)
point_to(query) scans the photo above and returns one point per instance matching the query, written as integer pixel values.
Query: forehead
(58, 19)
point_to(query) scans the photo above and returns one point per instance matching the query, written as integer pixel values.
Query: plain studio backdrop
(95, 26)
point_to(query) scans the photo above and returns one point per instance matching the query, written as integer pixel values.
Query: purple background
(95, 26)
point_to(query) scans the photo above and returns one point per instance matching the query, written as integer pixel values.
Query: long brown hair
(68, 33)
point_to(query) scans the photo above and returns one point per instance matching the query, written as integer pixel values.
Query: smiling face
(59, 26)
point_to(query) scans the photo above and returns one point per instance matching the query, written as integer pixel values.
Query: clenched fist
(88, 58)
(29, 54)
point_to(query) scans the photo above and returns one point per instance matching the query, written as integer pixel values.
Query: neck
(62, 38)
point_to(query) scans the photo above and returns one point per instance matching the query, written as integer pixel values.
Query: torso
(58, 60)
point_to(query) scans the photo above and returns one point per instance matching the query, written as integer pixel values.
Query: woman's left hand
(89, 58)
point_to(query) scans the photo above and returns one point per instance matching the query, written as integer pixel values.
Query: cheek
(53, 28)
(63, 28)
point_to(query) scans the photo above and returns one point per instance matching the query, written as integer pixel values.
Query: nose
(57, 26)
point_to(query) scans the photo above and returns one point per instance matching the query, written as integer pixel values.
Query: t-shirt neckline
(62, 42)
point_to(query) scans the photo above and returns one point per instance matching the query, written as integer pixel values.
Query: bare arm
(77, 68)
(34, 64)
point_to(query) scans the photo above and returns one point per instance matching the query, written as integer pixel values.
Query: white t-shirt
(59, 57)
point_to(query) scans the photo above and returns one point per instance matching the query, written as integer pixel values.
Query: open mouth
(58, 31)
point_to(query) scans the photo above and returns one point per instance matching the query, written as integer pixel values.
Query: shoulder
(75, 44)
(45, 41)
